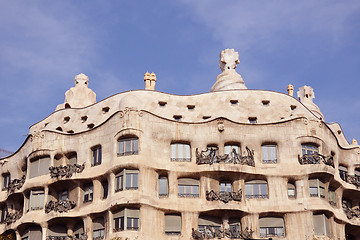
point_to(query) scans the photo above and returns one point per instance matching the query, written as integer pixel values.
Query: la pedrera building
(232, 163)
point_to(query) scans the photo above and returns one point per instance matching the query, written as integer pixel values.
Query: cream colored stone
(229, 79)
(79, 96)
(306, 95)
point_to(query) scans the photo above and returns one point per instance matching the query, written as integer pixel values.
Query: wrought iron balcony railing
(12, 217)
(223, 196)
(66, 171)
(16, 184)
(316, 158)
(351, 212)
(211, 156)
(265, 195)
(353, 179)
(212, 232)
(59, 206)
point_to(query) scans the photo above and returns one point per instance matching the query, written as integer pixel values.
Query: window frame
(96, 155)
(271, 223)
(88, 193)
(167, 186)
(123, 177)
(41, 168)
(6, 177)
(36, 199)
(122, 143)
(268, 149)
(125, 221)
(180, 156)
(319, 186)
(256, 189)
(291, 186)
(188, 190)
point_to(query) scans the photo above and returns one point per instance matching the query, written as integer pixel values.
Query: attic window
(67, 105)
(46, 124)
(70, 131)
(191, 107)
(339, 131)
(84, 118)
(265, 102)
(292, 107)
(252, 120)
(162, 103)
(234, 102)
(59, 129)
(206, 117)
(66, 119)
(90, 126)
(105, 109)
(177, 117)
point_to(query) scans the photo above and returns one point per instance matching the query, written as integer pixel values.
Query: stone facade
(234, 164)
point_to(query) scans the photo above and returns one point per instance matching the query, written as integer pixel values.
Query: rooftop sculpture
(306, 95)
(229, 79)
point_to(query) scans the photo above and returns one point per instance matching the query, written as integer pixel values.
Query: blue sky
(44, 44)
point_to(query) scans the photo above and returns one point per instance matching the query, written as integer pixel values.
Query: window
(126, 178)
(332, 196)
(309, 149)
(231, 148)
(256, 189)
(105, 187)
(79, 230)
(57, 232)
(32, 233)
(88, 193)
(126, 219)
(225, 187)
(188, 187)
(271, 227)
(63, 195)
(172, 224)
(207, 222)
(36, 199)
(72, 158)
(6, 181)
(39, 166)
(291, 190)
(234, 225)
(98, 228)
(96, 156)
(163, 187)
(252, 120)
(128, 146)
(4, 212)
(321, 225)
(180, 152)
(269, 153)
(343, 172)
(317, 188)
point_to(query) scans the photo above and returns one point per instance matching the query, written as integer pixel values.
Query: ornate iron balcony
(13, 217)
(223, 196)
(211, 232)
(66, 171)
(351, 212)
(353, 179)
(316, 158)
(60, 206)
(211, 156)
(16, 184)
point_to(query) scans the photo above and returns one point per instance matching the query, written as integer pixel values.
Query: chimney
(290, 90)
(150, 80)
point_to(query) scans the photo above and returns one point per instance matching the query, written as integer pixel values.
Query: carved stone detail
(13, 217)
(223, 196)
(60, 206)
(66, 171)
(316, 158)
(16, 184)
(211, 156)
(211, 232)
